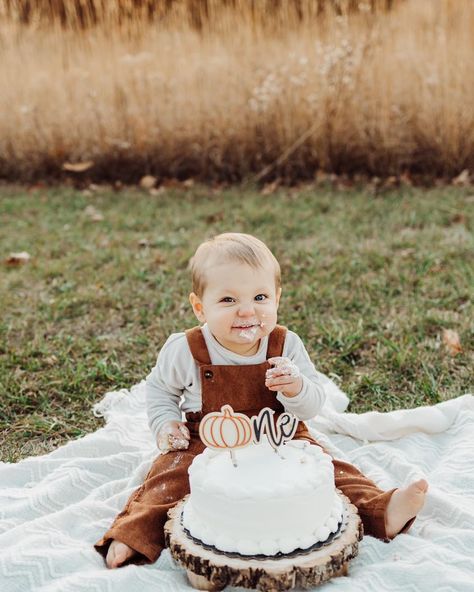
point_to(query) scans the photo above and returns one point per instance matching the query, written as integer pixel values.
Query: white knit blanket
(54, 507)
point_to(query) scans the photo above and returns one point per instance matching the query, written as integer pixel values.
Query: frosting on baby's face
(239, 304)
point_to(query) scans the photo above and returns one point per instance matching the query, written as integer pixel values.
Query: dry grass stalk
(374, 93)
(198, 13)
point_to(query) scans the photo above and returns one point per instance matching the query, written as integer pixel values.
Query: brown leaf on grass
(93, 214)
(51, 360)
(148, 182)
(462, 180)
(405, 179)
(171, 183)
(452, 342)
(270, 188)
(154, 191)
(16, 259)
(458, 219)
(215, 217)
(19, 372)
(78, 167)
(159, 259)
(391, 181)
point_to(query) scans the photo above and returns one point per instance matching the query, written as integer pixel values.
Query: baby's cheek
(268, 322)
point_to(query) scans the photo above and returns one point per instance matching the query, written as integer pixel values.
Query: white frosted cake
(266, 504)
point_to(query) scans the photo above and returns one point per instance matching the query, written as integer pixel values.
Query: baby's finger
(277, 387)
(278, 371)
(178, 443)
(184, 431)
(279, 382)
(278, 360)
(292, 370)
(176, 432)
(163, 442)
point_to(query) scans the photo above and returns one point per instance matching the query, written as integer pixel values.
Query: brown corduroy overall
(141, 523)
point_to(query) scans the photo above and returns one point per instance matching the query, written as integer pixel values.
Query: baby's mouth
(247, 325)
(248, 331)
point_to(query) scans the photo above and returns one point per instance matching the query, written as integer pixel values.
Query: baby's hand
(284, 377)
(174, 435)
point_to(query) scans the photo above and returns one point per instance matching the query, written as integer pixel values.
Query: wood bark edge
(212, 571)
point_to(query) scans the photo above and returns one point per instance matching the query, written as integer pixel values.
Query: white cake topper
(230, 430)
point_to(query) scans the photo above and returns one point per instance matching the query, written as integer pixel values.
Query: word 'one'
(228, 429)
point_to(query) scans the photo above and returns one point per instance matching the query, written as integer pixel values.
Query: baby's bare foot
(118, 553)
(403, 505)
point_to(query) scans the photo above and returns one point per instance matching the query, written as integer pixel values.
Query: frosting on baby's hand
(173, 436)
(282, 367)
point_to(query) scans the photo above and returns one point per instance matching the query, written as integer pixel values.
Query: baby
(239, 356)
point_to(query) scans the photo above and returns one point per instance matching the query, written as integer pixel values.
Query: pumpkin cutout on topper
(226, 429)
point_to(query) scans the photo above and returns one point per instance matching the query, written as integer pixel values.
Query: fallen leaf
(405, 179)
(15, 259)
(93, 214)
(458, 219)
(462, 180)
(147, 182)
(157, 191)
(452, 342)
(78, 167)
(321, 177)
(270, 188)
(391, 181)
(215, 217)
(171, 183)
(19, 372)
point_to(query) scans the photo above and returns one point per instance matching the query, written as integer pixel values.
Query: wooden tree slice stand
(209, 570)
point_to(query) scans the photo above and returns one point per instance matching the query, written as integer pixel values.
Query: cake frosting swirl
(269, 503)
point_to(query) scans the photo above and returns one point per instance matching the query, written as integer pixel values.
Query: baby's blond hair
(231, 246)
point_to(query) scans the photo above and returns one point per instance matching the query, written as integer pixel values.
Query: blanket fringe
(108, 402)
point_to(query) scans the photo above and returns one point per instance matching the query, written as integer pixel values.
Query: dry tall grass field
(240, 90)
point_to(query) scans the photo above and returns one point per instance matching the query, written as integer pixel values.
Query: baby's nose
(246, 310)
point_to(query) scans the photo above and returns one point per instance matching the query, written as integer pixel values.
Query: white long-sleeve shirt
(173, 386)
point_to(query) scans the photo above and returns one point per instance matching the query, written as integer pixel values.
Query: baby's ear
(198, 310)
(278, 295)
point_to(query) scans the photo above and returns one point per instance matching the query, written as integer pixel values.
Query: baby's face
(239, 304)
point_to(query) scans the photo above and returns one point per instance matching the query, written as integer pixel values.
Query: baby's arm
(299, 372)
(164, 388)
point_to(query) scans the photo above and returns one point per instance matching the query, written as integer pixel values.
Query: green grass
(369, 284)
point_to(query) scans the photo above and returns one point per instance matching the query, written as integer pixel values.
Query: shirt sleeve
(166, 382)
(310, 400)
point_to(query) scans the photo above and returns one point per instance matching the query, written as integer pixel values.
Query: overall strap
(197, 345)
(276, 341)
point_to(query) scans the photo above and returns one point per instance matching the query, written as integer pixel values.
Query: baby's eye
(261, 297)
(227, 299)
